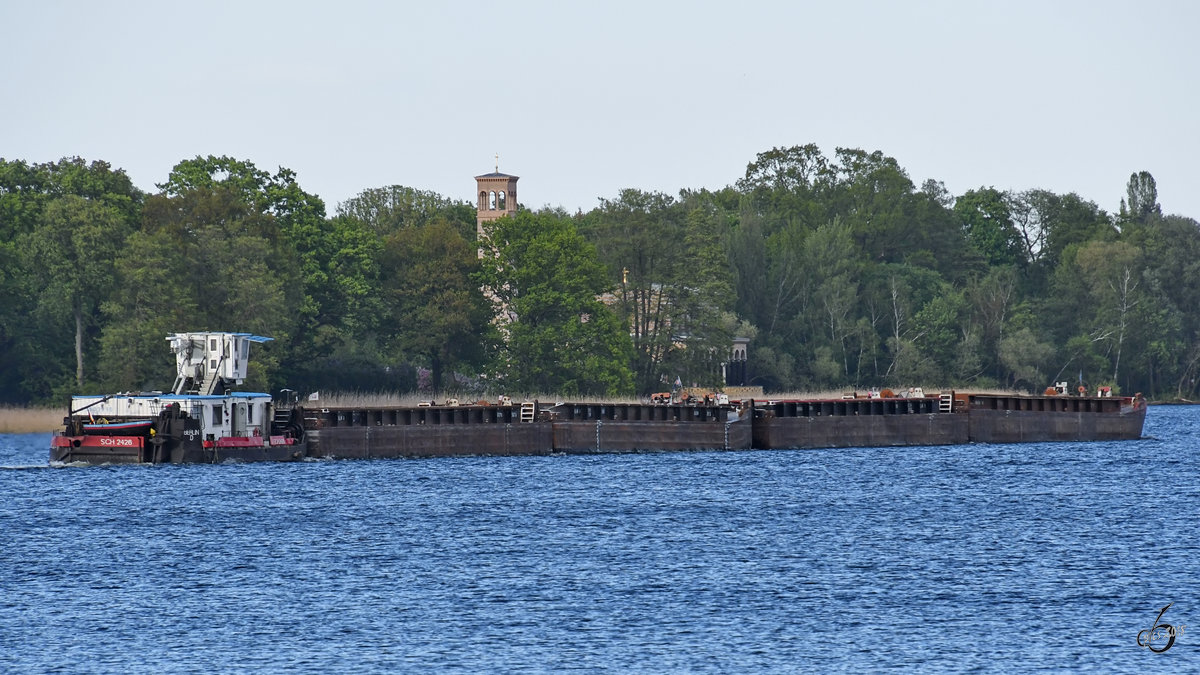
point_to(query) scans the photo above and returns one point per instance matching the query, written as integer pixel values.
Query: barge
(201, 420)
(949, 418)
(529, 428)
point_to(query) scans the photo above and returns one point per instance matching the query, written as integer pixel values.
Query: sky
(584, 99)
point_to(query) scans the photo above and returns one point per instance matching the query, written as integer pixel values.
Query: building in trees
(734, 372)
(497, 196)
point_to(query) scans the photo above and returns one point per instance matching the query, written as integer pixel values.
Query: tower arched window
(492, 200)
(482, 200)
(502, 201)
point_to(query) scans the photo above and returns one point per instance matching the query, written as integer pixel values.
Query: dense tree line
(840, 270)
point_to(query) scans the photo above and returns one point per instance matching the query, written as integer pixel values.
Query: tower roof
(496, 174)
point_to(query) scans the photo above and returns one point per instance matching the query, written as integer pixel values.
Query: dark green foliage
(61, 225)
(987, 220)
(667, 263)
(841, 271)
(204, 260)
(1141, 199)
(335, 261)
(388, 209)
(544, 280)
(433, 313)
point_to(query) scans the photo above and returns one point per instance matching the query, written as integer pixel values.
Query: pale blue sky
(584, 99)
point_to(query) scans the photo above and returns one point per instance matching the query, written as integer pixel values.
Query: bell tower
(497, 196)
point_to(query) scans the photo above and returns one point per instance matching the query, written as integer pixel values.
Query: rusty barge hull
(442, 431)
(999, 419)
(580, 428)
(851, 432)
(1014, 426)
(858, 423)
(585, 428)
(950, 420)
(602, 428)
(606, 437)
(431, 441)
(427, 431)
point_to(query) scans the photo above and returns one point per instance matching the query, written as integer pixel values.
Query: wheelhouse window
(218, 416)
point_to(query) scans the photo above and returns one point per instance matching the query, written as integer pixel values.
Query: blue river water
(977, 557)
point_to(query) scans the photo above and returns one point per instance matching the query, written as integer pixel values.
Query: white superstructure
(208, 363)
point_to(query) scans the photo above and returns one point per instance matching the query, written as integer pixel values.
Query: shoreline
(30, 420)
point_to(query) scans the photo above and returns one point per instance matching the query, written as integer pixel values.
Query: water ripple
(977, 557)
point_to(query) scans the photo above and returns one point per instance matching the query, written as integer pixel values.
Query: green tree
(793, 169)
(329, 321)
(747, 251)
(72, 255)
(639, 236)
(934, 239)
(788, 284)
(1141, 199)
(59, 223)
(987, 220)
(1171, 277)
(896, 294)
(1024, 354)
(831, 281)
(204, 259)
(873, 197)
(435, 312)
(938, 326)
(1066, 220)
(544, 279)
(387, 209)
(992, 298)
(24, 189)
(787, 185)
(703, 296)
(673, 287)
(1113, 277)
(150, 301)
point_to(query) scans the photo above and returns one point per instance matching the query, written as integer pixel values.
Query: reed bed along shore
(19, 420)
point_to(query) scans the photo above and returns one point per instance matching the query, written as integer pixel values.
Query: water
(979, 557)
